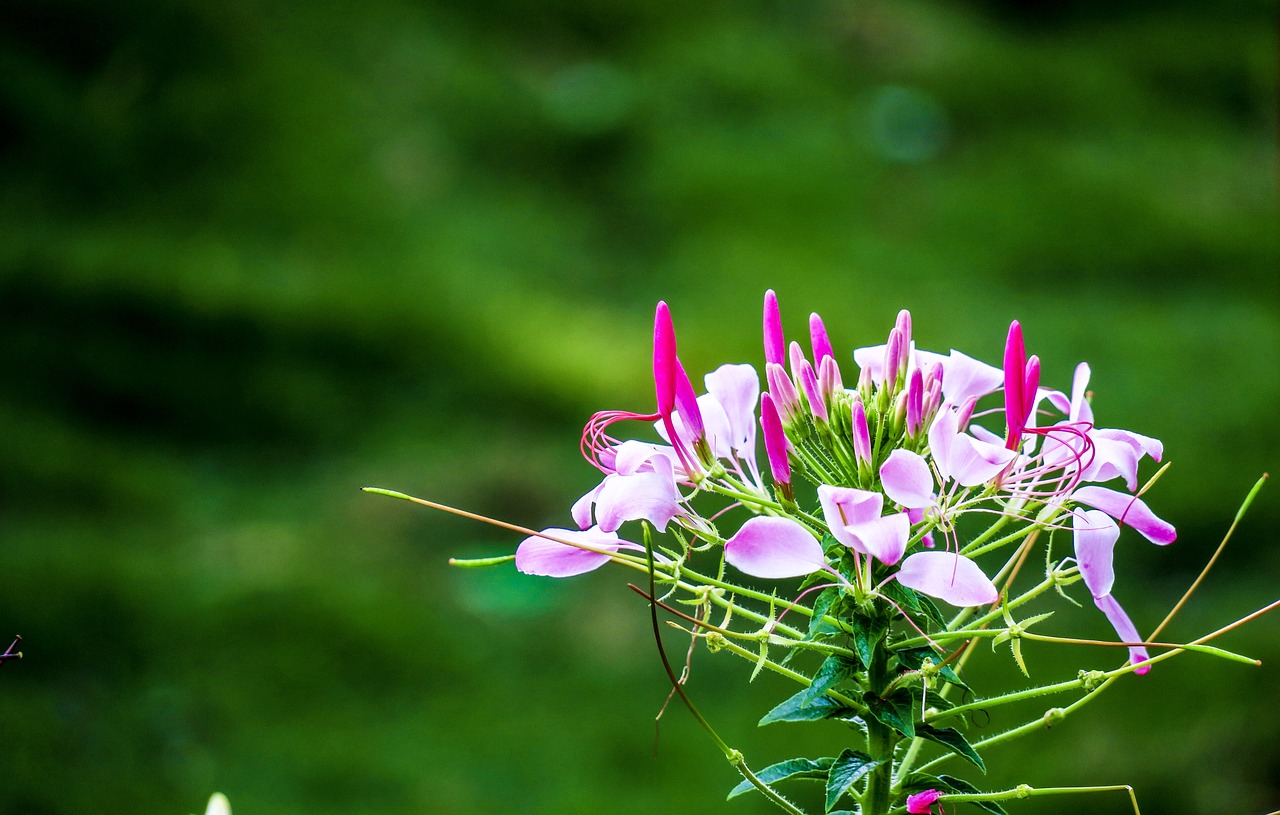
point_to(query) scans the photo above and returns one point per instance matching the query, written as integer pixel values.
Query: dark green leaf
(893, 712)
(833, 670)
(822, 606)
(907, 599)
(918, 782)
(950, 738)
(932, 611)
(868, 632)
(960, 785)
(845, 772)
(813, 769)
(797, 709)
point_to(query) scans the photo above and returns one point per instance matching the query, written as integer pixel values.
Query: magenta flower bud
(933, 375)
(664, 359)
(1029, 385)
(895, 352)
(775, 441)
(861, 433)
(819, 340)
(783, 391)
(829, 377)
(774, 344)
(865, 382)
(915, 401)
(921, 803)
(1015, 367)
(687, 404)
(809, 384)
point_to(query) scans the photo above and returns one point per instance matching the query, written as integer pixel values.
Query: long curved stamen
(596, 442)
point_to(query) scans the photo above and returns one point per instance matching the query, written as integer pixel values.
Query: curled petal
(885, 538)
(550, 558)
(774, 548)
(1125, 629)
(1127, 509)
(950, 577)
(1095, 539)
(966, 376)
(737, 389)
(906, 479)
(961, 457)
(651, 496)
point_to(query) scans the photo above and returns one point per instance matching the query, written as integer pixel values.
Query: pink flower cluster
(894, 462)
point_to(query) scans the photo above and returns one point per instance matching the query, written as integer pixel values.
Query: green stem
(880, 740)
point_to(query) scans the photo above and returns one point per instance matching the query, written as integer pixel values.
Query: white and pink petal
(774, 548)
(952, 578)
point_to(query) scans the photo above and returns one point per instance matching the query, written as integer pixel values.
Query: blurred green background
(255, 256)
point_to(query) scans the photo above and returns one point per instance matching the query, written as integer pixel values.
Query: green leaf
(833, 670)
(893, 712)
(798, 709)
(821, 606)
(846, 771)
(868, 632)
(960, 785)
(812, 769)
(950, 738)
(932, 611)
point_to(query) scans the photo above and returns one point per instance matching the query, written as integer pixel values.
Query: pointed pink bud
(915, 401)
(829, 377)
(861, 433)
(895, 352)
(809, 384)
(795, 355)
(775, 440)
(774, 344)
(1015, 367)
(903, 324)
(783, 391)
(664, 359)
(819, 340)
(1030, 383)
(687, 404)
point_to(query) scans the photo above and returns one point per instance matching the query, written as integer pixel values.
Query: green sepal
(799, 709)
(951, 739)
(847, 770)
(960, 785)
(893, 712)
(833, 670)
(812, 769)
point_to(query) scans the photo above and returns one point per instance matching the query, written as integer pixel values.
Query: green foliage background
(254, 256)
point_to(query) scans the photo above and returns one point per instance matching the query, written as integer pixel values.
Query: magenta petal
(775, 441)
(537, 555)
(843, 507)
(949, 577)
(774, 548)
(1095, 539)
(906, 479)
(1125, 629)
(1127, 509)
